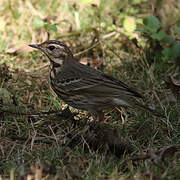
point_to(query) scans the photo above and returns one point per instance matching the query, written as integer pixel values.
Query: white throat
(58, 61)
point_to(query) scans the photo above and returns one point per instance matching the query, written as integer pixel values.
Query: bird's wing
(83, 79)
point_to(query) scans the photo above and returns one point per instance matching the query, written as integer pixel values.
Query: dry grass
(39, 145)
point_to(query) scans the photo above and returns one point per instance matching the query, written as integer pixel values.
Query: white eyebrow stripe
(57, 46)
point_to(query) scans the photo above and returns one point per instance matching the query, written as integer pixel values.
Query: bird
(84, 87)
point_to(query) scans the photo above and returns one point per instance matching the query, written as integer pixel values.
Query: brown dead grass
(36, 140)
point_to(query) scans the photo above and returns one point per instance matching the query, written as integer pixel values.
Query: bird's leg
(98, 116)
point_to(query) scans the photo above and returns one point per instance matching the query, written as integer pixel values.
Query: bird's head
(56, 51)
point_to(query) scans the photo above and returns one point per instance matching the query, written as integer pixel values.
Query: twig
(109, 35)
(86, 50)
(54, 135)
(138, 158)
(42, 67)
(36, 139)
(29, 114)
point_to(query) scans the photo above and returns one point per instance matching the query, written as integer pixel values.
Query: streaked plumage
(83, 87)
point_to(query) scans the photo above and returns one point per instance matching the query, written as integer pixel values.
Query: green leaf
(38, 23)
(5, 96)
(151, 24)
(171, 53)
(166, 53)
(2, 24)
(159, 35)
(135, 2)
(129, 24)
(177, 31)
(169, 39)
(89, 2)
(52, 28)
(175, 50)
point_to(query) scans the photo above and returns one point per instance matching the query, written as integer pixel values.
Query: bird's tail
(155, 113)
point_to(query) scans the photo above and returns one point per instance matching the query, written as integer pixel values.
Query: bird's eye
(51, 47)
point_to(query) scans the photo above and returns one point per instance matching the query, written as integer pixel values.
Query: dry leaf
(71, 171)
(143, 176)
(95, 63)
(157, 154)
(22, 49)
(5, 74)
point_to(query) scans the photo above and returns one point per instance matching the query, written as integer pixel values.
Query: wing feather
(83, 79)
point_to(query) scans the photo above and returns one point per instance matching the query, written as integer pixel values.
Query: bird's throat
(55, 69)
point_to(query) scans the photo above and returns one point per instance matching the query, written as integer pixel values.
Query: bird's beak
(37, 46)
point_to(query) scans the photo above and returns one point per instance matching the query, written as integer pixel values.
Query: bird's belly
(88, 103)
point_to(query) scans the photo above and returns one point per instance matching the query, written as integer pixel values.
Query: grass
(40, 145)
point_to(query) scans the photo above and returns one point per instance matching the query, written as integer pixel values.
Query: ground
(40, 138)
